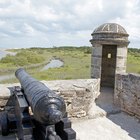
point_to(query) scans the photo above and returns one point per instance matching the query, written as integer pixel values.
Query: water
(3, 53)
(6, 77)
(55, 63)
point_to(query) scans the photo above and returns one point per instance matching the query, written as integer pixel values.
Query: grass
(75, 66)
(133, 62)
(77, 62)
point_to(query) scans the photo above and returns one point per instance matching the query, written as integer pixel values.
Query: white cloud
(63, 22)
(130, 22)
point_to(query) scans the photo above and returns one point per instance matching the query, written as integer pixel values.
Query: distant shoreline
(3, 49)
(3, 53)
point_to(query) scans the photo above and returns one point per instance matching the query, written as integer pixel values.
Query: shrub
(23, 57)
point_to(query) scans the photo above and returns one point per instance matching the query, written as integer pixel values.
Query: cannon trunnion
(34, 112)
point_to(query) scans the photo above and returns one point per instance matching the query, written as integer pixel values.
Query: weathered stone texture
(121, 59)
(121, 51)
(96, 59)
(78, 94)
(4, 96)
(127, 93)
(109, 39)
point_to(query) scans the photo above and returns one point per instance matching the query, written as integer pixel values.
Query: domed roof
(110, 33)
(110, 28)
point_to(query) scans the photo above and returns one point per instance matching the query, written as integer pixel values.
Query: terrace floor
(115, 127)
(108, 123)
(111, 123)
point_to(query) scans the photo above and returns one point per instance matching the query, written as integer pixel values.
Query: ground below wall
(127, 93)
(79, 94)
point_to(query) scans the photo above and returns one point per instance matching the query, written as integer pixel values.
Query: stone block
(4, 95)
(96, 61)
(97, 50)
(121, 62)
(96, 72)
(122, 51)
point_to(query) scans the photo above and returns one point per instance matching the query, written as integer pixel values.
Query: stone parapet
(79, 94)
(127, 93)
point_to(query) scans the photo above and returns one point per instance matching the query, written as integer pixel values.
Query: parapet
(78, 94)
(127, 93)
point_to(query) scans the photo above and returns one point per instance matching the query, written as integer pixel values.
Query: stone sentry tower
(109, 52)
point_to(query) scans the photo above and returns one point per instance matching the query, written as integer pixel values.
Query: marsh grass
(133, 61)
(77, 62)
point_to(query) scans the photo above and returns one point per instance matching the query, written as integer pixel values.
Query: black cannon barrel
(47, 107)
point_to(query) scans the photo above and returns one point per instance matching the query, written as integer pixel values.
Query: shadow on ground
(105, 101)
(126, 122)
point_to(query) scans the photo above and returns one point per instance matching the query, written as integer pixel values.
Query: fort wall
(79, 94)
(127, 93)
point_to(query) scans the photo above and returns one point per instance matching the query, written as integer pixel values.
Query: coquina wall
(127, 93)
(79, 95)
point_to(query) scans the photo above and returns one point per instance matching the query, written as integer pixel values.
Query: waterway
(54, 63)
(3, 53)
(6, 77)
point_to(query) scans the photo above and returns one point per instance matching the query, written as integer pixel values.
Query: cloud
(130, 21)
(46, 23)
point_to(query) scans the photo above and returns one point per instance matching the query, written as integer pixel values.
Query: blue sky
(48, 23)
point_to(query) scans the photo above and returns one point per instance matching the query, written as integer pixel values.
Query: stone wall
(121, 59)
(79, 95)
(96, 61)
(127, 93)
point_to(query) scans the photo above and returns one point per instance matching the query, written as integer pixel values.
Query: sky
(49, 23)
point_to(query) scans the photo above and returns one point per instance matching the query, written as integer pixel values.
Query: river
(3, 53)
(54, 63)
(6, 77)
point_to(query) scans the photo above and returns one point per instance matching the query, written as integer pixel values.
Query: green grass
(76, 65)
(77, 62)
(133, 61)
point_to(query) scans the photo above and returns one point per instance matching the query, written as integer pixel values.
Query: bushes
(22, 58)
(7, 59)
(31, 56)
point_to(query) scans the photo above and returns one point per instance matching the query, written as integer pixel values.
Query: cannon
(35, 112)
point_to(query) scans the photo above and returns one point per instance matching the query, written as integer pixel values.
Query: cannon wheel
(4, 124)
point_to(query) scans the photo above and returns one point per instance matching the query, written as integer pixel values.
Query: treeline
(134, 51)
(85, 49)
